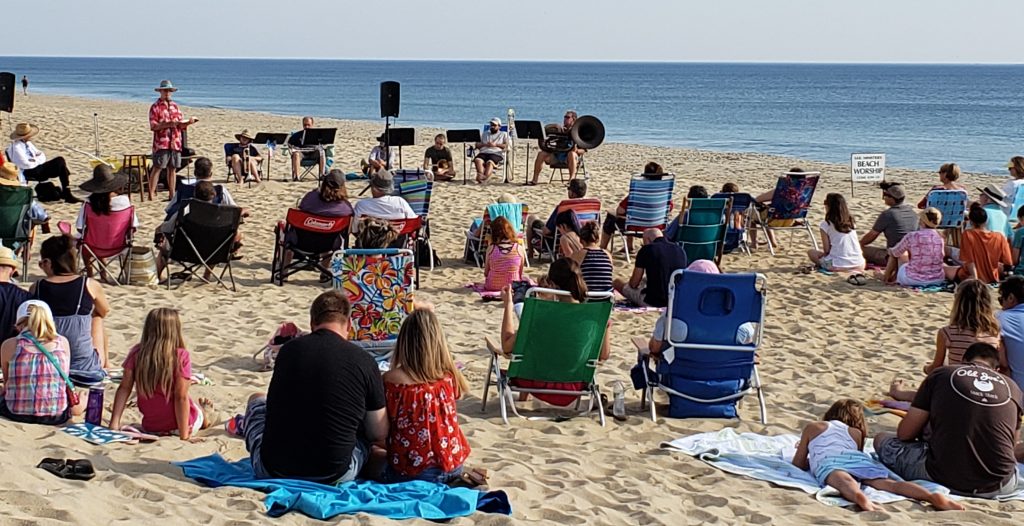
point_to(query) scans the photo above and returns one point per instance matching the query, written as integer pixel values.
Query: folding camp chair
(562, 166)
(557, 342)
(229, 149)
(417, 193)
(585, 209)
(503, 164)
(703, 369)
(702, 234)
(953, 206)
(789, 206)
(379, 284)
(310, 239)
(740, 217)
(309, 162)
(479, 240)
(106, 236)
(647, 206)
(204, 236)
(16, 231)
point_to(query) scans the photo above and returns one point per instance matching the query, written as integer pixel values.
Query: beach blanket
(425, 500)
(486, 295)
(625, 306)
(882, 406)
(355, 176)
(769, 458)
(98, 435)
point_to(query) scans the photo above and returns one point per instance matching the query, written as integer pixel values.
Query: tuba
(586, 133)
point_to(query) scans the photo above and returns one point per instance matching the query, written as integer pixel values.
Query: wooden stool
(135, 166)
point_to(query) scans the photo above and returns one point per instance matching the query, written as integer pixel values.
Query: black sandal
(857, 280)
(70, 469)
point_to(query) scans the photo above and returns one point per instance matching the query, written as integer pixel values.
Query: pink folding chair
(106, 236)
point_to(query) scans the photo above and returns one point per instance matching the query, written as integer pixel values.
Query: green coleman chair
(703, 229)
(16, 230)
(555, 356)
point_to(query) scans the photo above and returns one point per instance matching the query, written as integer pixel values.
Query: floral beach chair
(379, 284)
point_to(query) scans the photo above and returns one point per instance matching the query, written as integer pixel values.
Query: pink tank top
(505, 263)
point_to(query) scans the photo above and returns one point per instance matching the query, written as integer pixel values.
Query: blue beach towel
(425, 500)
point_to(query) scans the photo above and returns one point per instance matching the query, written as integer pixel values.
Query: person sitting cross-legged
(655, 263)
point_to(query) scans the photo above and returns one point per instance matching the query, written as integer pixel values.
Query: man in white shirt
(33, 163)
(382, 205)
(490, 150)
(380, 157)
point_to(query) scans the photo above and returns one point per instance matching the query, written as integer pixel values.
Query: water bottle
(94, 408)
(471, 152)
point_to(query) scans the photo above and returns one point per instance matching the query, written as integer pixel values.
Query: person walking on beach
(167, 123)
(24, 84)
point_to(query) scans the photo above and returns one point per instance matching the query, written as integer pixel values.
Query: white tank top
(834, 440)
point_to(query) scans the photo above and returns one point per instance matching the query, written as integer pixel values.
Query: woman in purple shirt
(331, 199)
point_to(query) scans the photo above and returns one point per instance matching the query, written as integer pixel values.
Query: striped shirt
(596, 269)
(958, 340)
(35, 387)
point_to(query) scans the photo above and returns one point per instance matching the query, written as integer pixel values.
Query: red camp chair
(106, 236)
(307, 240)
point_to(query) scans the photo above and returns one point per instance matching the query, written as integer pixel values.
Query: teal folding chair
(16, 230)
(702, 233)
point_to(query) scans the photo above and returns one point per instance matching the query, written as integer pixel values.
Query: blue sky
(980, 31)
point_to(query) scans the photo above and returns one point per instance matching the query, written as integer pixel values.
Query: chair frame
(306, 164)
(23, 224)
(561, 168)
(123, 257)
(507, 391)
(478, 244)
(753, 383)
(227, 161)
(746, 219)
(591, 212)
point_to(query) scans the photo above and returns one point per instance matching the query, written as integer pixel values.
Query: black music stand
(463, 136)
(399, 137)
(317, 138)
(529, 130)
(271, 142)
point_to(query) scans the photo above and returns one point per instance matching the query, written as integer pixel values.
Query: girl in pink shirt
(160, 369)
(920, 253)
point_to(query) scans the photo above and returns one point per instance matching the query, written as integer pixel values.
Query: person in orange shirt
(983, 253)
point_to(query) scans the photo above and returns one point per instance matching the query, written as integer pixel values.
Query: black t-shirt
(11, 297)
(296, 138)
(319, 395)
(237, 150)
(436, 155)
(659, 260)
(974, 413)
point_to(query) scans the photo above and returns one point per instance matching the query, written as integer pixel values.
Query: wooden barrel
(143, 267)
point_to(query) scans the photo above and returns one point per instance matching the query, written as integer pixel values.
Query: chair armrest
(494, 349)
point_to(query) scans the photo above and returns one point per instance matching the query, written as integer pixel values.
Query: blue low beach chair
(702, 233)
(739, 220)
(705, 371)
(952, 204)
(647, 206)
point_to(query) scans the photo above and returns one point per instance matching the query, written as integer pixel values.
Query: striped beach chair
(647, 205)
(585, 209)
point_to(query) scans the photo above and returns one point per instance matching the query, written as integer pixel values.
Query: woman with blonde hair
(160, 369)
(920, 253)
(949, 174)
(36, 364)
(424, 440)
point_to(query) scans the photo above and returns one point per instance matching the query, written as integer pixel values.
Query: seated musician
(490, 150)
(244, 158)
(569, 158)
(438, 159)
(300, 153)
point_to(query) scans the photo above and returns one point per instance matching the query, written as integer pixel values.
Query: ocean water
(920, 116)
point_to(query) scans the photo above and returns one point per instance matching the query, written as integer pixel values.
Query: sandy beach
(824, 340)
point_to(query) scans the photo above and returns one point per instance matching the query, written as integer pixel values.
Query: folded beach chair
(555, 356)
(379, 284)
(702, 234)
(703, 369)
(478, 241)
(789, 206)
(310, 238)
(204, 235)
(586, 209)
(740, 219)
(647, 206)
(106, 236)
(16, 231)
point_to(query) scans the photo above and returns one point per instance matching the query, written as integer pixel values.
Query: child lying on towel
(832, 449)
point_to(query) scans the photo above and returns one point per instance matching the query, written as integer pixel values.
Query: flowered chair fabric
(379, 284)
(789, 206)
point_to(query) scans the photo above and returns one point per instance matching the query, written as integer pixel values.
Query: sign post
(866, 168)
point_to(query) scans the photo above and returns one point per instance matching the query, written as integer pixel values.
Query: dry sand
(824, 339)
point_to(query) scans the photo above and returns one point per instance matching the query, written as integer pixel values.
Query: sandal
(70, 469)
(530, 183)
(471, 478)
(806, 269)
(857, 280)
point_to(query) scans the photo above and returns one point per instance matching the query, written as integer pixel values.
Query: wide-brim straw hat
(8, 258)
(165, 85)
(9, 175)
(245, 133)
(995, 193)
(103, 181)
(24, 130)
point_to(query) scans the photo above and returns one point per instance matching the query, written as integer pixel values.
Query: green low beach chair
(557, 342)
(16, 232)
(702, 233)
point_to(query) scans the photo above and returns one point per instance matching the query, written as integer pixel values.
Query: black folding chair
(204, 236)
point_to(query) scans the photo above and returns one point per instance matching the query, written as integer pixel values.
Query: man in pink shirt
(167, 123)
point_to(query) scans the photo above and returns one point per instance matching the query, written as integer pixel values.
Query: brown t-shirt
(974, 413)
(987, 250)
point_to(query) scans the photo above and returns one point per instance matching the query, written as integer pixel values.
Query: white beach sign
(867, 167)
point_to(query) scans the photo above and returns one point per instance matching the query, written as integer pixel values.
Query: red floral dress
(424, 430)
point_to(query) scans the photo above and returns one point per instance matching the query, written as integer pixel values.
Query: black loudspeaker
(7, 92)
(389, 98)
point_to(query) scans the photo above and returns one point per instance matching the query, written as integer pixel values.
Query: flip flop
(57, 466)
(471, 478)
(81, 470)
(857, 280)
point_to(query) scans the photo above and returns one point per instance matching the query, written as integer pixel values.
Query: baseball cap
(496, 121)
(335, 178)
(23, 308)
(895, 191)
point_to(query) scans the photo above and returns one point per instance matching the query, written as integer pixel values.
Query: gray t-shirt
(895, 223)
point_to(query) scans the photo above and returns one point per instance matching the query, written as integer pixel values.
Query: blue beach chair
(647, 206)
(952, 204)
(739, 220)
(703, 369)
(702, 234)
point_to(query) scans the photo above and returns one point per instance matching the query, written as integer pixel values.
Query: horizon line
(553, 61)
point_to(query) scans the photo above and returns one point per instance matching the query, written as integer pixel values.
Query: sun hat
(24, 131)
(8, 258)
(507, 198)
(930, 211)
(9, 174)
(23, 308)
(382, 180)
(994, 193)
(104, 181)
(245, 133)
(165, 85)
(496, 121)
